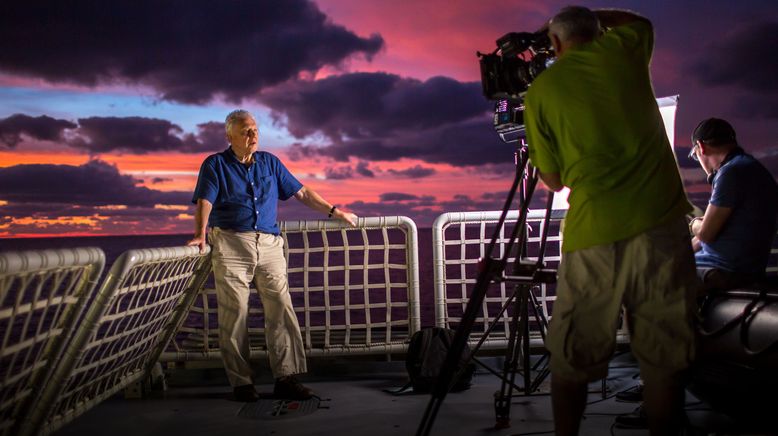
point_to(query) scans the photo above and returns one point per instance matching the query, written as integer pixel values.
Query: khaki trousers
(238, 259)
(653, 276)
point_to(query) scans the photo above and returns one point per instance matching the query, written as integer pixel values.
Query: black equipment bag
(736, 370)
(427, 353)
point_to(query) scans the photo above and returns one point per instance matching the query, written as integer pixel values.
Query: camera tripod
(526, 275)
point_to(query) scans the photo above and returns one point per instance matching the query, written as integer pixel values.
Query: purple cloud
(338, 173)
(187, 51)
(414, 172)
(363, 169)
(96, 135)
(95, 183)
(144, 135)
(373, 105)
(403, 197)
(737, 58)
(44, 128)
(467, 143)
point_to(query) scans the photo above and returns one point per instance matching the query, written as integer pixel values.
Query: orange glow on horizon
(12, 158)
(178, 172)
(447, 182)
(170, 207)
(91, 221)
(77, 234)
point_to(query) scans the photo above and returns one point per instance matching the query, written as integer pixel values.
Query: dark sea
(113, 246)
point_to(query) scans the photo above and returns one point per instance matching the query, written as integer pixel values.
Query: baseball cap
(714, 130)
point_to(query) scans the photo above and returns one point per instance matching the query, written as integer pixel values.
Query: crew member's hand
(694, 225)
(198, 241)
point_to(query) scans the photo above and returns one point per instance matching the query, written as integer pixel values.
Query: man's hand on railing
(198, 241)
(345, 216)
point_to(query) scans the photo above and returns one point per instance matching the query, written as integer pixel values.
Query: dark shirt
(743, 244)
(244, 198)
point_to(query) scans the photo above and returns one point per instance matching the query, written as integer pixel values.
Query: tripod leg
(525, 346)
(542, 326)
(448, 370)
(474, 349)
(502, 398)
(489, 269)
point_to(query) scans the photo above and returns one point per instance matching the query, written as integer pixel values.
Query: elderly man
(733, 239)
(237, 193)
(593, 125)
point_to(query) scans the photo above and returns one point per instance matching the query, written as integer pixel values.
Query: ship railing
(459, 240)
(42, 294)
(67, 346)
(355, 291)
(125, 327)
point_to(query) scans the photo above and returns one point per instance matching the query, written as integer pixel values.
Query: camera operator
(593, 125)
(732, 240)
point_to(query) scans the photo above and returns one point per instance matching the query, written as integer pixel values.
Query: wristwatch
(691, 224)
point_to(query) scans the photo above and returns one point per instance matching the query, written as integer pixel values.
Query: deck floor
(197, 402)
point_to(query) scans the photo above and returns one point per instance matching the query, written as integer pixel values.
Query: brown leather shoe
(289, 388)
(245, 393)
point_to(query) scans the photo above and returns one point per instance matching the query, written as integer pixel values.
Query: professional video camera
(522, 57)
(506, 76)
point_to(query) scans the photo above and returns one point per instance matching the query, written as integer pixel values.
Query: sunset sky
(108, 108)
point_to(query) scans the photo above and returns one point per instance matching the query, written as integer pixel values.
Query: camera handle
(490, 269)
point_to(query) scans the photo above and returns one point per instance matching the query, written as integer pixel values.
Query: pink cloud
(422, 38)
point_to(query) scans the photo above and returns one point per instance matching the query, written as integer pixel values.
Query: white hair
(575, 23)
(236, 115)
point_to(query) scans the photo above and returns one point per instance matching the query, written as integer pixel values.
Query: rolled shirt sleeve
(288, 185)
(207, 186)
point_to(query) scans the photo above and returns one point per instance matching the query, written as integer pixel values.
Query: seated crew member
(732, 240)
(237, 193)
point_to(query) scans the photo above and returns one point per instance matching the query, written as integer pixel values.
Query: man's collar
(230, 152)
(737, 151)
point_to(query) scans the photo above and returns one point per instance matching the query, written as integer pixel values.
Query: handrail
(113, 345)
(42, 295)
(470, 246)
(348, 302)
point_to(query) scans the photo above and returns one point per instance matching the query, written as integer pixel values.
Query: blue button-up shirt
(244, 198)
(743, 244)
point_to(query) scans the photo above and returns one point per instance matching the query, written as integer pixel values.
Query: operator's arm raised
(618, 17)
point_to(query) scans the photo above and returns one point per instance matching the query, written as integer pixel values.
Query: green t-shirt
(592, 117)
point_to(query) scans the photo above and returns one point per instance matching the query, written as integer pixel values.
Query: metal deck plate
(271, 408)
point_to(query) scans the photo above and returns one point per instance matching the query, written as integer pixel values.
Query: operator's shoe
(631, 395)
(289, 388)
(245, 393)
(636, 419)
